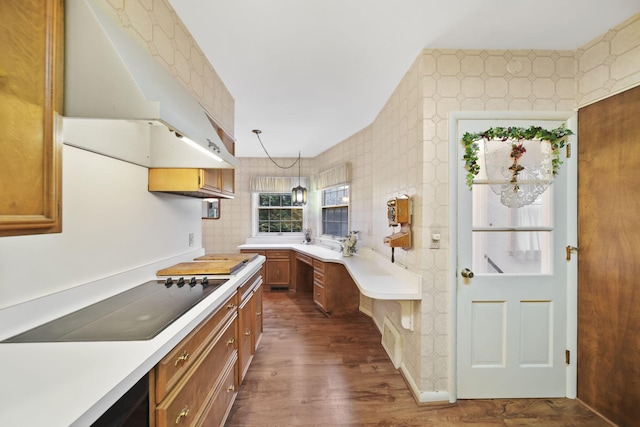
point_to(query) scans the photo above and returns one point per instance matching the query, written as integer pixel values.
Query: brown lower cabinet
(277, 269)
(197, 382)
(334, 290)
(250, 323)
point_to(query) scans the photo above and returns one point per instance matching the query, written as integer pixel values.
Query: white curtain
(338, 175)
(527, 245)
(274, 184)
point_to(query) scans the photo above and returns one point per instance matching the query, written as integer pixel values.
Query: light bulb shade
(299, 196)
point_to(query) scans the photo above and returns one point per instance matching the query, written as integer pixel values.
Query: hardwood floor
(311, 370)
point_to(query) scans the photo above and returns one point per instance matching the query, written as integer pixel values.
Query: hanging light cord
(258, 132)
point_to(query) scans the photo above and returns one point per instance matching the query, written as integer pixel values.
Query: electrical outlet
(192, 239)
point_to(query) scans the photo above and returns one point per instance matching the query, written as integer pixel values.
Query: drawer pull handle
(182, 414)
(231, 341)
(247, 332)
(231, 388)
(183, 358)
(231, 306)
(259, 313)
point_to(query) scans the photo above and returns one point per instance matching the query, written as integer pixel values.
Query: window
(335, 211)
(277, 215)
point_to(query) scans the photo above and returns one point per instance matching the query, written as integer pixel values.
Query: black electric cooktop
(140, 313)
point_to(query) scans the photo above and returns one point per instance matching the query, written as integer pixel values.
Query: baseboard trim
(589, 407)
(431, 397)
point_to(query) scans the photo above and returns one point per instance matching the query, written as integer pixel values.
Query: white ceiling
(311, 73)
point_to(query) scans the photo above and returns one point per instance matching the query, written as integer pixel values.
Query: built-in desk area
(375, 276)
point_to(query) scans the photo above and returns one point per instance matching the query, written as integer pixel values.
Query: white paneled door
(512, 306)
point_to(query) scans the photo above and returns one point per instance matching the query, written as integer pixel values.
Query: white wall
(111, 224)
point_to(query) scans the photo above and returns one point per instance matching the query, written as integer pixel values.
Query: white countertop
(72, 384)
(375, 276)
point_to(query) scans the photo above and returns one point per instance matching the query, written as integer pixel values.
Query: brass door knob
(466, 273)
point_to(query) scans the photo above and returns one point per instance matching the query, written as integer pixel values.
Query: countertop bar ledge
(374, 275)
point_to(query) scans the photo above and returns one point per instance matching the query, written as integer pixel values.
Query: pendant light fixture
(299, 193)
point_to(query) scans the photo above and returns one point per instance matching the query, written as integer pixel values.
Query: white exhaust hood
(120, 102)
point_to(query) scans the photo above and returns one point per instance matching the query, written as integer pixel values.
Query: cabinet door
(202, 183)
(263, 269)
(220, 405)
(246, 315)
(257, 328)
(31, 77)
(211, 180)
(219, 181)
(227, 181)
(278, 272)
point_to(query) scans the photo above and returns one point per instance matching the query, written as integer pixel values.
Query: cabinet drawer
(175, 364)
(277, 254)
(304, 258)
(252, 251)
(224, 348)
(245, 289)
(220, 406)
(318, 265)
(319, 295)
(196, 388)
(318, 277)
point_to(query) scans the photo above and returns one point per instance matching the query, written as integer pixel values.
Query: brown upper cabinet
(31, 101)
(201, 183)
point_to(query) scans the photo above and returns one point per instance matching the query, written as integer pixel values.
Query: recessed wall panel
(536, 332)
(488, 347)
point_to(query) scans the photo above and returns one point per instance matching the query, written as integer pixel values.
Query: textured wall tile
(155, 25)
(495, 66)
(626, 38)
(626, 64)
(472, 65)
(495, 87)
(610, 63)
(543, 66)
(544, 88)
(594, 79)
(140, 19)
(163, 47)
(566, 67)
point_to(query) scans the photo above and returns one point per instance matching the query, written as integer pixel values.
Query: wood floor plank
(312, 370)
